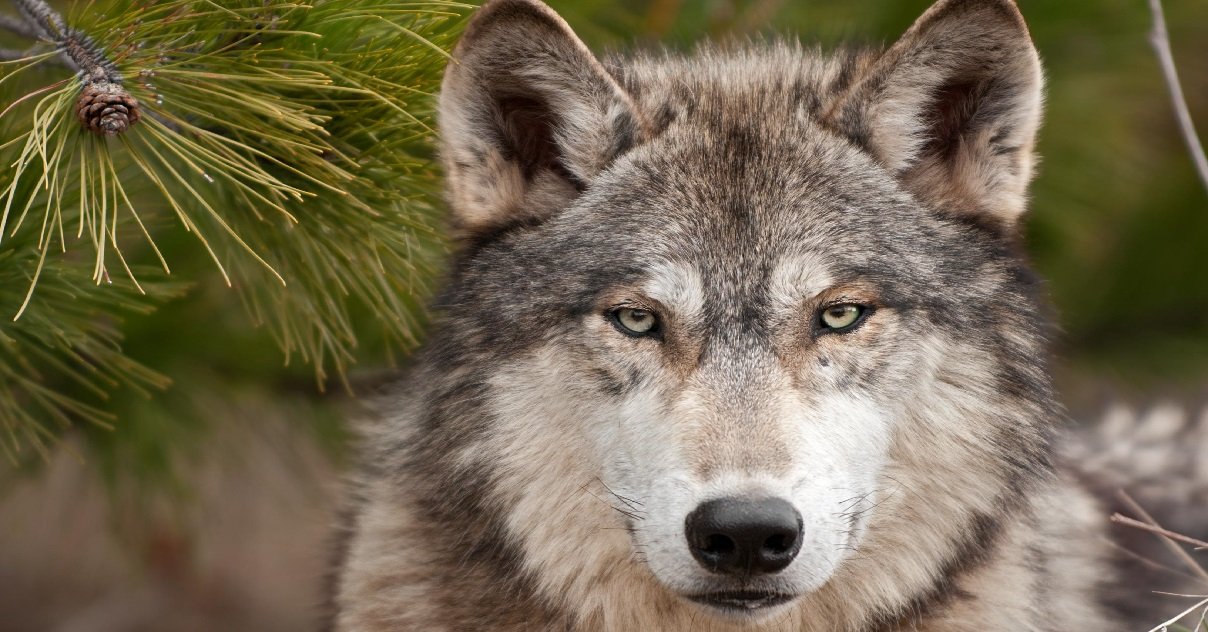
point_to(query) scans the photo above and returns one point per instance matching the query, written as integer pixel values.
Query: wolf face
(742, 332)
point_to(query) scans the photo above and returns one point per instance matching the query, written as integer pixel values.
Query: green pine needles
(289, 140)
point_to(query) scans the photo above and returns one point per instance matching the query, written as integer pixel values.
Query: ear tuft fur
(528, 118)
(953, 109)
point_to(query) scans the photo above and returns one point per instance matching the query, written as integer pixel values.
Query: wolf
(733, 340)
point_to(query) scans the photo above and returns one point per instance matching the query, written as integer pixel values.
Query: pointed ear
(953, 108)
(528, 118)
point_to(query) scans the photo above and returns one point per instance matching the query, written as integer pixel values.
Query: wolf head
(747, 328)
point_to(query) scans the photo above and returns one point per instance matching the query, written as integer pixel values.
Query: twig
(1160, 41)
(1125, 520)
(18, 26)
(1171, 544)
(79, 50)
(45, 20)
(1150, 563)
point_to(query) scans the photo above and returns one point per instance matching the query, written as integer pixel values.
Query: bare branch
(17, 25)
(1137, 524)
(1150, 563)
(40, 16)
(79, 51)
(1171, 544)
(1160, 41)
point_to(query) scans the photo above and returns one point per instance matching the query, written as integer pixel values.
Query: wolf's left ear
(528, 118)
(953, 108)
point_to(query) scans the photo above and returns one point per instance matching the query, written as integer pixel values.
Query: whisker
(629, 502)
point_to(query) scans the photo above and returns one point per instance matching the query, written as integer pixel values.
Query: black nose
(744, 537)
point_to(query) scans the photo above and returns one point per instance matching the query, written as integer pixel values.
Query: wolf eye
(842, 317)
(634, 322)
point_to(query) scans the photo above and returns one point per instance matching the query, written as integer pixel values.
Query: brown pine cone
(106, 108)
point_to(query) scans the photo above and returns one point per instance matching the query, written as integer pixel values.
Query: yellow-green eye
(635, 322)
(842, 317)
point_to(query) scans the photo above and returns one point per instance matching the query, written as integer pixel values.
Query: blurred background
(207, 503)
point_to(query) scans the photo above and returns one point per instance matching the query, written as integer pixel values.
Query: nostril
(718, 544)
(780, 543)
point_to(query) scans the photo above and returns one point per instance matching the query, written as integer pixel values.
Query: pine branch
(104, 105)
(59, 363)
(289, 141)
(40, 16)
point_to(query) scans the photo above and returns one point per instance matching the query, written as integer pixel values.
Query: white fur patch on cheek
(839, 447)
(547, 472)
(648, 466)
(843, 428)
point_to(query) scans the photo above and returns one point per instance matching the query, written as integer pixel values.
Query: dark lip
(742, 601)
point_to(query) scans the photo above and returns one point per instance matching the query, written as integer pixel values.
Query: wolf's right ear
(953, 109)
(528, 117)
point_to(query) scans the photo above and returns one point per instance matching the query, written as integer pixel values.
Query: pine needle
(288, 139)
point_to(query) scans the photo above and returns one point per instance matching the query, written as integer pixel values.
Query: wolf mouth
(741, 602)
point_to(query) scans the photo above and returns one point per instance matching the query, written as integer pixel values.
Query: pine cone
(106, 108)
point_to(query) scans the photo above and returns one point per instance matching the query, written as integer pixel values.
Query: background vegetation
(1119, 228)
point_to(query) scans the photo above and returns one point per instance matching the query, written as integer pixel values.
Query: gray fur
(532, 471)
